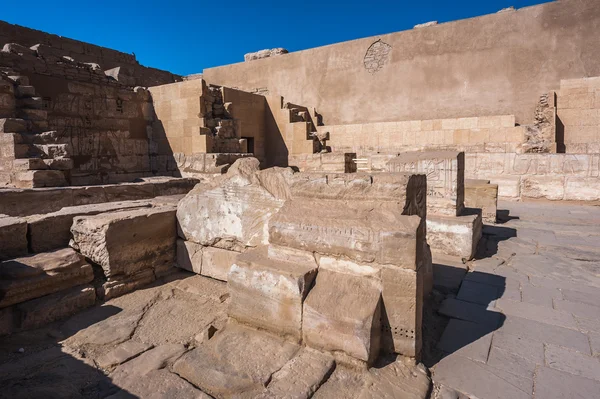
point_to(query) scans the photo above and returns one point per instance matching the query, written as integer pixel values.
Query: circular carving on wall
(377, 56)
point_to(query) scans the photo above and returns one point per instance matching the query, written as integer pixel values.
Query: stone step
(19, 79)
(13, 125)
(31, 102)
(22, 91)
(40, 178)
(34, 276)
(50, 137)
(25, 202)
(13, 237)
(24, 164)
(53, 230)
(32, 114)
(12, 149)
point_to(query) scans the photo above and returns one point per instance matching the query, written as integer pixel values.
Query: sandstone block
(13, 237)
(547, 187)
(232, 211)
(34, 276)
(41, 311)
(342, 313)
(216, 262)
(189, 256)
(12, 125)
(445, 178)
(40, 178)
(349, 229)
(122, 284)
(127, 242)
(53, 230)
(455, 236)
(122, 353)
(483, 196)
(268, 293)
(582, 189)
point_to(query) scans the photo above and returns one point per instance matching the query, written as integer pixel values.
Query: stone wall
(490, 65)
(578, 109)
(84, 52)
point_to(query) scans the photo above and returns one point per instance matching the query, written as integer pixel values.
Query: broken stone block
(216, 262)
(268, 293)
(13, 237)
(349, 229)
(42, 311)
(445, 172)
(454, 236)
(53, 230)
(40, 178)
(399, 379)
(342, 313)
(34, 276)
(236, 360)
(264, 54)
(232, 211)
(126, 242)
(189, 256)
(482, 196)
(122, 284)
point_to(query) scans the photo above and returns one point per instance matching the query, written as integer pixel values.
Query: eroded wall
(491, 65)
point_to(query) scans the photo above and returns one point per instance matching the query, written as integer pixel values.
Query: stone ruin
(308, 258)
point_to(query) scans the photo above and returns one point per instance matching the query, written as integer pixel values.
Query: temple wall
(491, 65)
(578, 111)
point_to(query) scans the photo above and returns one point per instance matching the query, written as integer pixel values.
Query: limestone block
(34, 276)
(216, 262)
(445, 178)
(128, 241)
(454, 236)
(189, 256)
(508, 186)
(548, 187)
(268, 293)
(42, 311)
(342, 313)
(53, 230)
(349, 229)
(40, 178)
(232, 211)
(13, 237)
(580, 189)
(483, 196)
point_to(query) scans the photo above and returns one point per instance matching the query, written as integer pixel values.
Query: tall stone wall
(578, 110)
(491, 65)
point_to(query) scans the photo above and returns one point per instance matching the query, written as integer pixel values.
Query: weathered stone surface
(189, 256)
(158, 384)
(352, 230)
(53, 230)
(344, 318)
(236, 360)
(445, 178)
(34, 276)
(41, 311)
(40, 178)
(455, 236)
(217, 262)
(344, 383)
(483, 196)
(129, 241)
(13, 237)
(121, 354)
(232, 211)
(265, 54)
(396, 380)
(268, 293)
(121, 284)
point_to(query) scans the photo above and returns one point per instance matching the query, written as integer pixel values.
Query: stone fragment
(267, 293)
(232, 211)
(343, 313)
(483, 196)
(236, 360)
(126, 242)
(42, 311)
(53, 230)
(455, 236)
(13, 237)
(121, 354)
(264, 54)
(34, 276)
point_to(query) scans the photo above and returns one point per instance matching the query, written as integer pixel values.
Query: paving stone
(553, 384)
(470, 312)
(529, 349)
(122, 353)
(447, 277)
(536, 313)
(157, 384)
(344, 383)
(542, 296)
(397, 380)
(573, 362)
(489, 278)
(595, 343)
(479, 380)
(578, 309)
(486, 266)
(583, 297)
(483, 294)
(466, 339)
(154, 359)
(546, 333)
(511, 363)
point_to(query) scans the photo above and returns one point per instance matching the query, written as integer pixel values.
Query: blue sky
(187, 36)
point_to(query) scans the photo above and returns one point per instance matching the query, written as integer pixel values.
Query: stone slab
(578, 309)
(13, 237)
(466, 339)
(482, 294)
(126, 242)
(472, 312)
(554, 384)
(269, 294)
(454, 236)
(122, 353)
(189, 256)
(346, 318)
(572, 362)
(217, 262)
(34, 276)
(536, 313)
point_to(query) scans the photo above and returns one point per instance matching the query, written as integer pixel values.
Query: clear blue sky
(187, 36)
